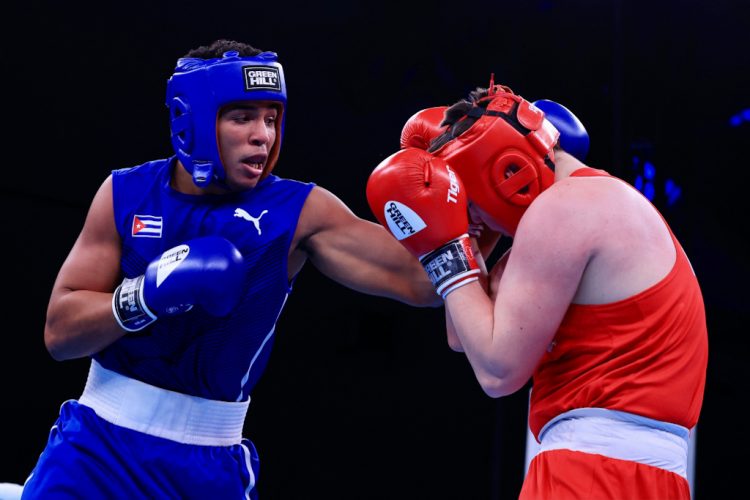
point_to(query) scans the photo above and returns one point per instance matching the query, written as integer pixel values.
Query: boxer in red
(595, 301)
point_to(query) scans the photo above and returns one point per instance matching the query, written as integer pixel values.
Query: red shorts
(565, 474)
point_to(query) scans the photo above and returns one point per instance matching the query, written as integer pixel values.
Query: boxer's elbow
(455, 344)
(496, 386)
(60, 337)
(57, 325)
(55, 342)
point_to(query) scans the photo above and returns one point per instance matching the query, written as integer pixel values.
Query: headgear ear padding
(197, 91)
(515, 177)
(505, 158)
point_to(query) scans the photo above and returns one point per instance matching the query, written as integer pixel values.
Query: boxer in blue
(176, 281)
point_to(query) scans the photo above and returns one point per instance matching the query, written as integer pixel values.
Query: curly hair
(217, 48)
(458, 119)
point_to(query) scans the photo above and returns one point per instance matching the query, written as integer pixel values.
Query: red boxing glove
(422, 127)
(421, 201)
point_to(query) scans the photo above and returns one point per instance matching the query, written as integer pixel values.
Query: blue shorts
(89, 457)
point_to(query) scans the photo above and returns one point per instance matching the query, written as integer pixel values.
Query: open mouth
(256, 163)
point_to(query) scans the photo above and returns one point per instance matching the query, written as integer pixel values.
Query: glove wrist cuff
(450, 264)
(128, 306)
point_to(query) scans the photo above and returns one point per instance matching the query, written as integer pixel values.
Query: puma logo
(238, 212)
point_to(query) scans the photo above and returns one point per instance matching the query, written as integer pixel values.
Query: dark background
(363, 398)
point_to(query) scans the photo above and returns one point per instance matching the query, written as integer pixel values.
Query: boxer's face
(246, 132)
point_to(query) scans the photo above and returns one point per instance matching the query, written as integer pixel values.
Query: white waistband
(621, 436)
(158, 412)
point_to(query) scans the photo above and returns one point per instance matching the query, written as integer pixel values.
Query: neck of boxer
(182, 182)
(565, 164)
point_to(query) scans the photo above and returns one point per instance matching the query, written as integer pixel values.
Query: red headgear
(505, 158)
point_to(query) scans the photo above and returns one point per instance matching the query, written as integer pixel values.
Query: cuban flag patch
(146, 226)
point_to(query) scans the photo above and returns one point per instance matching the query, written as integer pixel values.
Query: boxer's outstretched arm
(79, 314)
(360, 254)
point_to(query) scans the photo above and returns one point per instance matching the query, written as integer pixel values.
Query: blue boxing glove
(207, 272)
(573, 136)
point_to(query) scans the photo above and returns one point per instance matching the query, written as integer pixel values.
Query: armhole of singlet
(293, 229)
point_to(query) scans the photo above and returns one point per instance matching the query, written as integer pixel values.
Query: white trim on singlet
(260, 349)
(135, 405)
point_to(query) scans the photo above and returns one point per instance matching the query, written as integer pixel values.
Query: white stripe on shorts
(619, 435)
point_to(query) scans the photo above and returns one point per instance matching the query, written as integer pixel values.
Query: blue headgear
(573, 136)
(200, 87)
